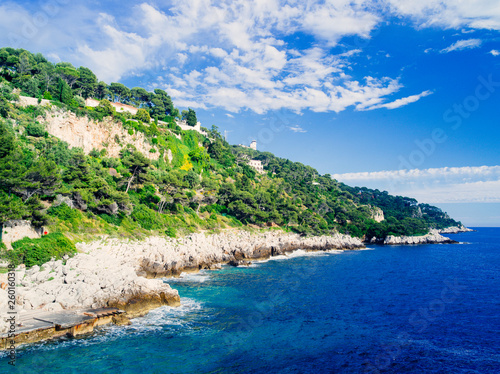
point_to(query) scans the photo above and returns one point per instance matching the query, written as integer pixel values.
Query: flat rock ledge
(455, 230)
(432, 238)
(113, 273)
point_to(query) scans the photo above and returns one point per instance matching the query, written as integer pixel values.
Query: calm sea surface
(399, 309)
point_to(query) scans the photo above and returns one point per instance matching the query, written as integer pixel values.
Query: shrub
(64, 212)
(35, 129)
(39, 251)
(114, 220)
(143, 115)
(147, 218)
(105, 108)
(171, 232)
(79, 101)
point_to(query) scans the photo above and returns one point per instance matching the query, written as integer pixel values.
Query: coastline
(124, 275)
(455, 230)
(112, 273)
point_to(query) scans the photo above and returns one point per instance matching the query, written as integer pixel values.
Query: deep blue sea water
(398, 309)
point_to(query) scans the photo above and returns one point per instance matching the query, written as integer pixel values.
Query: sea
(386, 309)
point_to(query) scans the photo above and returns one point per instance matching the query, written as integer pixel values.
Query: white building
(253, 145)
(257, 165)
(119, 107)
(185, 127)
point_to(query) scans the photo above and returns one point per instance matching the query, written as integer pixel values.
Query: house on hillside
(257, 165)
(253, 145)
(119, 107)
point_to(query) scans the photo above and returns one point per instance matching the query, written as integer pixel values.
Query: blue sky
(392, 94)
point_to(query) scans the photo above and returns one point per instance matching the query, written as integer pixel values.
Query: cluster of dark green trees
(187, 182)
(37, 77)
(321, 204)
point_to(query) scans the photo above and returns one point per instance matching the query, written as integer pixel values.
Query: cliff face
(16, 230)
(87, 134)
(377, 214)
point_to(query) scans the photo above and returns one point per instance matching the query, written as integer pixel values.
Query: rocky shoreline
(455, 230)
(124, 274)
(433, 237)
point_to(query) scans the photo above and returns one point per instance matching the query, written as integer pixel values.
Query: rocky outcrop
(432, 238)
(455, 230)
(17, 229)
(87, 134)
(377, 214)
(121, 274)
(167, 257)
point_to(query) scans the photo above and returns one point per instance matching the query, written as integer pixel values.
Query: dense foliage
(188, 182)
(38, 251)
(37, 77)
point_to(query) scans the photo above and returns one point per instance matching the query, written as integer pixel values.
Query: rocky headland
(433, 237)
(455, 230)
(124, 274)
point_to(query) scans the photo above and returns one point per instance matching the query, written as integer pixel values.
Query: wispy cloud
(494, 52)
(463, 44)
(401, 102)
(480, 14)
(229, 115)
(296, 128)
(435, 185)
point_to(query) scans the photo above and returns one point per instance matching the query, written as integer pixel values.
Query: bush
(143, 115)
(64, 212)
(114, 220)
(171, 232)
(79, 101)
(39, 251)
(105, 108)
(35, 129)
(147, 218)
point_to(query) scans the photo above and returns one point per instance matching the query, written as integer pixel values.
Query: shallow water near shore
(428, 308)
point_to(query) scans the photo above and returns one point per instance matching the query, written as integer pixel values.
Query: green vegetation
(188, 182)
(38, 251)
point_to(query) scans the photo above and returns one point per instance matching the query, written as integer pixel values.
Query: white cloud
(463, 44)
(203, 52)
(494, 52)
(401, 102)
(332, 20)
(476, 192)
(232, 54)
(436, 185)
(297, 128)
(229, 115)
(478, 14)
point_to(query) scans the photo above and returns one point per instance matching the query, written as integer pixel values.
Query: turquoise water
(415, 309)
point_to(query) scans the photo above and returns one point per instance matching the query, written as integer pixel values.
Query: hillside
(84, 171)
